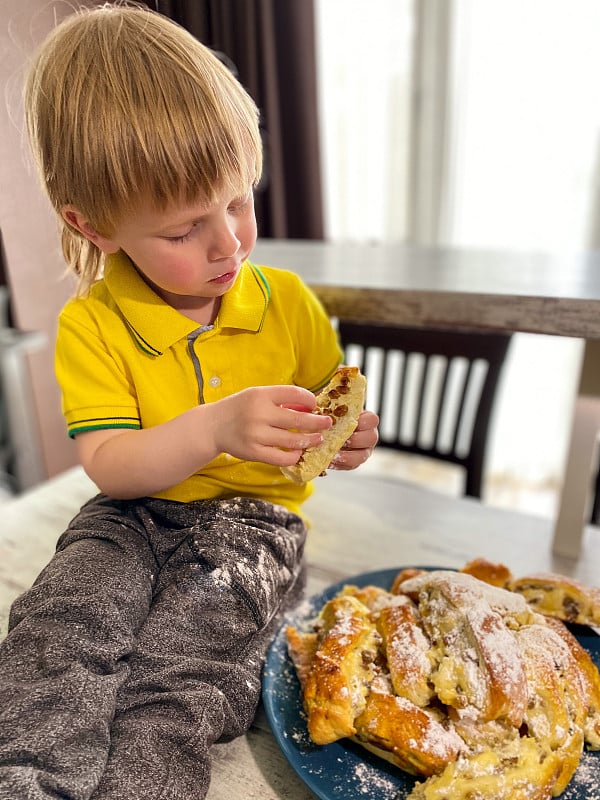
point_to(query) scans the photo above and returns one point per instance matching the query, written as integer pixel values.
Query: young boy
(188, 376)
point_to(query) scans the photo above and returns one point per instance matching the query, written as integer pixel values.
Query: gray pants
(140, 645)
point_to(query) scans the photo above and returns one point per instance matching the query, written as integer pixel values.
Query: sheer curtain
(364, 57)
(482, 132)
(526, 130)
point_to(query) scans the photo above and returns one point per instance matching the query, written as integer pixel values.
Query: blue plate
(343, 770)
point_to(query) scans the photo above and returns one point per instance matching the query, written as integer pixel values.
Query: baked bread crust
(561, 597)
(590, 682)
(404, 575)
(454, 679)
(555, 712)
(478, 673)
(406, 735)
(343, 400)
(488, 572)
(336, 688)
(408, 652)
(518, 771)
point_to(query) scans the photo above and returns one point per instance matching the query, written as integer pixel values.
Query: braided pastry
(456, 679)
(560, 597)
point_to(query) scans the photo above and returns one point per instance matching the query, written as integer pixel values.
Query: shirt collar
(156, 326)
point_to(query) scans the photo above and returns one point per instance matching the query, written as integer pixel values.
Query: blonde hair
(123, 106)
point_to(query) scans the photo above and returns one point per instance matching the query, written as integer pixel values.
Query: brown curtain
(272, 45)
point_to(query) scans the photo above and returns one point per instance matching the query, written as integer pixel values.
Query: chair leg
(575, 496)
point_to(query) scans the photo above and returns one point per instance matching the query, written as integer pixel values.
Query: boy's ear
(73, 217)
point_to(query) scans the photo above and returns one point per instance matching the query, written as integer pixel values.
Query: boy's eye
(239, 205)
(179, 239)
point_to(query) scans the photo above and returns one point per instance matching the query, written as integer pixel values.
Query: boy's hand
(272, 424)
(360, 445)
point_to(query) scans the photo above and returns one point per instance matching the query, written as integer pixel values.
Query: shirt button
(215, 381)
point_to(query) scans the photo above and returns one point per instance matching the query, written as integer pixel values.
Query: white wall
(34, 262)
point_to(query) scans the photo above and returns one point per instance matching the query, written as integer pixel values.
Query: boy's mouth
(226, 277)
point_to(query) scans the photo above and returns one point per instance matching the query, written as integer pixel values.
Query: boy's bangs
(188, 152)
(169, 170)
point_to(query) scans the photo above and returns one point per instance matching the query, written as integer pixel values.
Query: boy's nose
(224, 243)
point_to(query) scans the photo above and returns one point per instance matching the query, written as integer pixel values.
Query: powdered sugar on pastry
(458, 681)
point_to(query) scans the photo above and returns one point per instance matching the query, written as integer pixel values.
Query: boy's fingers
(304, 420)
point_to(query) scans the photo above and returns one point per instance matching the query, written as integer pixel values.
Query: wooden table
(484, 290)
(504, 291)
(359, 524)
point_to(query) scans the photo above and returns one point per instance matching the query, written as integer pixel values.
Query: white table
(359, 524)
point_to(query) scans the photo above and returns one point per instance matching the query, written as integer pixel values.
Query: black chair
(433, 389)
(595, 511)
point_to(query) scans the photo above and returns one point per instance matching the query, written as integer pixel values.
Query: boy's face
(188, 251)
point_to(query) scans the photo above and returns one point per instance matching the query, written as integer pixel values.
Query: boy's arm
(266, 423)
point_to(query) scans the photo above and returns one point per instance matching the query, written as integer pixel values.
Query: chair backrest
(433, 389)
(595, 509)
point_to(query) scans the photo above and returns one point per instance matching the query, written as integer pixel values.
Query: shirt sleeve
(96, 391)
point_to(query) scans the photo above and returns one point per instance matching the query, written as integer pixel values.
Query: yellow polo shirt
(126, 359)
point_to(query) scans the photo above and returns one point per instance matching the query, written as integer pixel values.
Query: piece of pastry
(343, 400)
(561, 597)
(518, 771)
(590, 682)
(461, 587)
(480, 736)
(556, 711)
(408, 652)
(410, 737)
(404, 575)
(336, 686)
(479, 672)
(487, 571)
(302, 648)
(373, 597)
